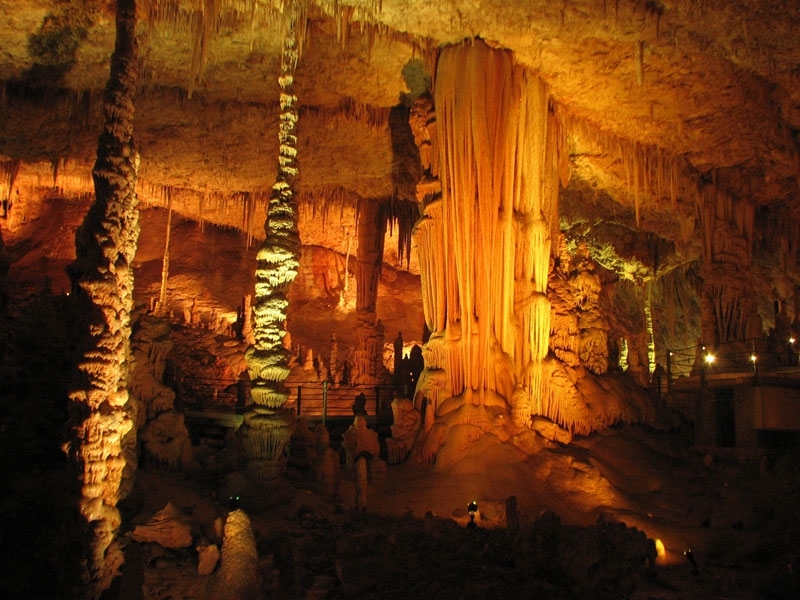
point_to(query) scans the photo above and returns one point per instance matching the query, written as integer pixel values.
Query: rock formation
(238, 575)
(592, 187)
(162, 433)
(167, 528)
(265, 430)
(405, 427)
(359, 440)
(102, 432)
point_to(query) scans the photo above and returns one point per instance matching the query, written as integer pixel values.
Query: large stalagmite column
(101, 437)
(485, 248)
(265, 430)
(368, 355)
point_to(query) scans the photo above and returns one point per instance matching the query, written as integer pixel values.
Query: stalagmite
(265, 430)
(362, 484)
(101, 442)
(648, 316)
(238, 575)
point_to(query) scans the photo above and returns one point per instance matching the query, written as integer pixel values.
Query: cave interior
(554, 245)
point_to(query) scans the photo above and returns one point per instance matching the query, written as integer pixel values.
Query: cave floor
(737, 518)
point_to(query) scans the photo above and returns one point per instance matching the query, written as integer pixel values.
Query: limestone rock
(207, 558)
(168, 528)
(359, 440)
(551, 431)
(404, 430)
(165, 441)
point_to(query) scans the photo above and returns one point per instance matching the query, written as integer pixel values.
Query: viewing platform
(743, 394)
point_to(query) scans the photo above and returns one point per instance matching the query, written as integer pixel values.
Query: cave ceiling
(714, 84)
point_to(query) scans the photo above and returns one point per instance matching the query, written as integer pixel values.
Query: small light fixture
(753, 358)
(472, 509)
(690, 557)
(710, 358)
(791, 340)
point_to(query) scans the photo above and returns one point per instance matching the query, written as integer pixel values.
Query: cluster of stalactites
(659, 180)
(237, 209)
(485, 248)
(704, 212)
(200, 22)
(653, 177)
(277, 258)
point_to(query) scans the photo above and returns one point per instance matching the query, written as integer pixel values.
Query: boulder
(168, 528)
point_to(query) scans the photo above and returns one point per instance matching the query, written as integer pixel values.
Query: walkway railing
(312, 400)
(748, 357)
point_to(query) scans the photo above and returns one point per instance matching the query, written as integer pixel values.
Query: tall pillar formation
(265, 430)
(101, 440)
(485, 243)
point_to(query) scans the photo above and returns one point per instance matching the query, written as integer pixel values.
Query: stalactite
(249, 217)
(235, 210)
(349, 110)
(199, 21)
(404, 215)
(9, 171)
(346, 286)
(162, 296)
(101, 440)
(652, 176)
(323, 201)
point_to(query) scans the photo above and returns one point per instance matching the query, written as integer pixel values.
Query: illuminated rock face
(637, 85)
(161, 430)
(102, 440)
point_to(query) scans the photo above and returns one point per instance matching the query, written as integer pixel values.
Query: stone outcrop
(162, 432)
(359, 440)
(406, 423)
(168, 528)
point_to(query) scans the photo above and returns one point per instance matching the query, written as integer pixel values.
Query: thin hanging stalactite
(101, 440)
(162, 295)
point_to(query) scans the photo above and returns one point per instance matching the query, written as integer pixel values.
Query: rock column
(265, 430)
(101, 437)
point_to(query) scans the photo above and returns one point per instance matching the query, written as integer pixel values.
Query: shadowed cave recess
(399, 299)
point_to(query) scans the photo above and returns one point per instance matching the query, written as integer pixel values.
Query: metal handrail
(742, 356)
(314, 399)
